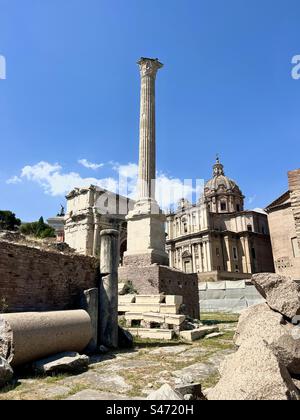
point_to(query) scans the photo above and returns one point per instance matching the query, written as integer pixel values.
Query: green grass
(218, 318)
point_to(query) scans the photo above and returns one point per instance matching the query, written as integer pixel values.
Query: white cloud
(56, 182)
(127, 171)
(90, 165)
(14, 180)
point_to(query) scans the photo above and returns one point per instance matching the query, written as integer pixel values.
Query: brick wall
(156, 279)
(32, 279)
(294, 187)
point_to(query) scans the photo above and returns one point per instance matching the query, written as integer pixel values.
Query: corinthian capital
(149, 66)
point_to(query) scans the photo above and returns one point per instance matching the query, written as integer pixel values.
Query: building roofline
(279, 202)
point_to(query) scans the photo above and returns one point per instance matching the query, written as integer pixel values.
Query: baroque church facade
(217, 238)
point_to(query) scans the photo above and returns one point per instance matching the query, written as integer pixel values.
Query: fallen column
(108, 293)
(25, 337)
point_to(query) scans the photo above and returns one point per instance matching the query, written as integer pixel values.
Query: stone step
(159, 334)
(197, 334)
(162, 308)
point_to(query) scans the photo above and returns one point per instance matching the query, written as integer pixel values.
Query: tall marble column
(146, 238)
(147, 150)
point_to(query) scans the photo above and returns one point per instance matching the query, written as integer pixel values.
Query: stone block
(68, 362)
(174, 319)
(133, 316)
(198, 333)
(155, 334)
(169, 309)
(139, 307)
(149, 299)
(154, 317)
(125, 299)
(174, 300)
(125, 308)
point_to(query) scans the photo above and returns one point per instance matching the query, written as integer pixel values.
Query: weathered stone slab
(153, 317)
(165, 393)
(169, 350)
(125, 299)
(174, 319)
(133, 316)
(152, 333)
(169, 309)
(108, 381)
(123, 308)
(139, 307)
(254, 373)
(68, 362)
(149, 299)
(198, 333)
(6, 372)
(281, 293)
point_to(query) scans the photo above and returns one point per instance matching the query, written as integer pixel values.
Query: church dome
(220, 181)
(222, 194)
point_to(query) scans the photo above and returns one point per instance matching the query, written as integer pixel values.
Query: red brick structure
(33, 279)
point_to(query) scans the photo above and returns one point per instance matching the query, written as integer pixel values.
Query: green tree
(39, 229)
(8, 220)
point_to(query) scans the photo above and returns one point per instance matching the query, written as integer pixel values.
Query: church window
(249, 228)
(253, 253)
(238, 208)
(185, 228)
(235, 253)
(223, 206)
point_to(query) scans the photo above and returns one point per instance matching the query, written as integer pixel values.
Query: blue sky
(72, 93)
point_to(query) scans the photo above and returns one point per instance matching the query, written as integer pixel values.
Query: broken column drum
(108, 291)
(25, 337)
